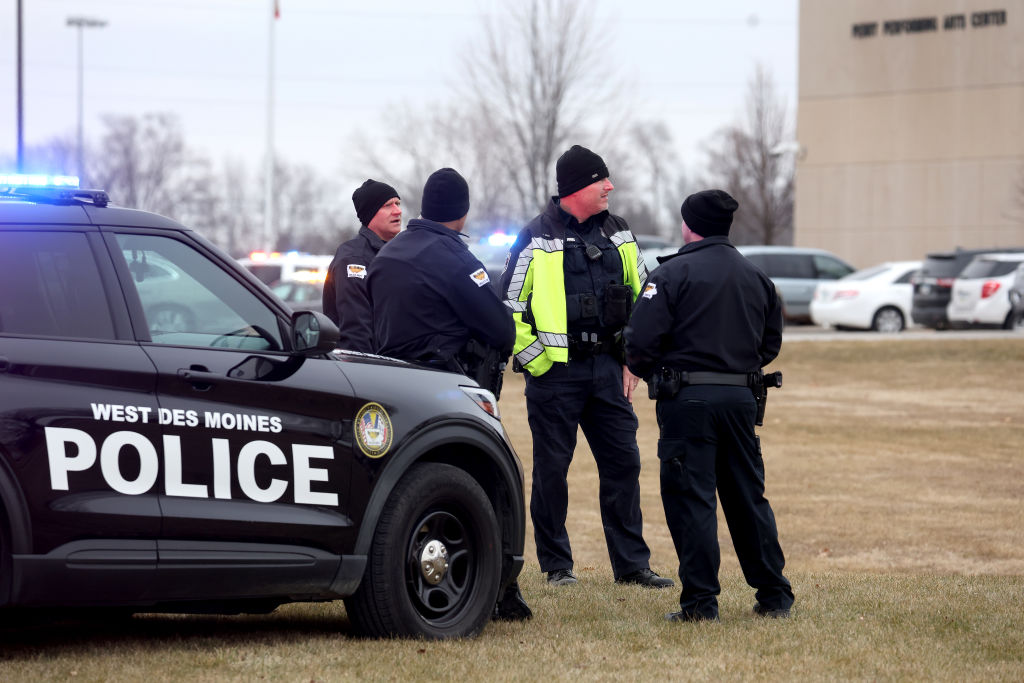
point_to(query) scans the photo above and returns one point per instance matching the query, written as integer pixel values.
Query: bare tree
(647, 179)
(307, 210)
(418, 143)
(55, 156)
(532, 83)
(528, 90)
(140, 159)
(749, 163)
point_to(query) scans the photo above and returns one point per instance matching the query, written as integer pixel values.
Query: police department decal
(356, 270)
(650, 291)
(479, 276)
(373, 430)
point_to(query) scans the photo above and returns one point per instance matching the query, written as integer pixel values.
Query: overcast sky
(340, 63)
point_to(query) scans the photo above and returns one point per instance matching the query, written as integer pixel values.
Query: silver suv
(796, 272)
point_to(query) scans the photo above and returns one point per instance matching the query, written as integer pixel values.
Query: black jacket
(705, 308)
(430, 296)
(345, 300)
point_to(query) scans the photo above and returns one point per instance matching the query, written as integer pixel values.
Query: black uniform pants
(585, 393)
(708, 442)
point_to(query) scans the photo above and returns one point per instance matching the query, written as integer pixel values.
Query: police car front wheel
(435, 559)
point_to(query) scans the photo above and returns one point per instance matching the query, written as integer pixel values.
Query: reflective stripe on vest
(539, 271)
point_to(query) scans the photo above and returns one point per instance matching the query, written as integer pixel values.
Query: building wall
(912, 133)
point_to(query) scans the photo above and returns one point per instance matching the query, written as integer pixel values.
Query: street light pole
(21, 121)
(82, 23)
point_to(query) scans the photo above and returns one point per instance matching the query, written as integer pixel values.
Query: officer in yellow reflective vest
(571, 279)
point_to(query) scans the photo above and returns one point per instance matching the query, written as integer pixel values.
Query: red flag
(277, 10)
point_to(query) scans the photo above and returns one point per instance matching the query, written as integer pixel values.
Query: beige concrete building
(911, 127)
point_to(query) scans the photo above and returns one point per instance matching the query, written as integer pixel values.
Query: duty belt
(666, 382)
(702, 377)
(588, 344)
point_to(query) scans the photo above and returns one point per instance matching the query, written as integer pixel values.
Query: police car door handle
(199, 377)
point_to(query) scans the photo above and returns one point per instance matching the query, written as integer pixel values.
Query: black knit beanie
(369, 197)
(577, 168)
(709, 212)
(445, 196)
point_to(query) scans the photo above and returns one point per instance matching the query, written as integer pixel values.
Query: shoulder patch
(650, 291)
(356, 270)
(479, 277)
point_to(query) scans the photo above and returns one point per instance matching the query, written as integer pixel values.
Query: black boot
(511, 606)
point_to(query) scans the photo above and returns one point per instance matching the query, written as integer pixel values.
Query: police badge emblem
(373, 430)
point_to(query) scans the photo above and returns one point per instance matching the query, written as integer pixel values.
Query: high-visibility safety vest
(535, 290)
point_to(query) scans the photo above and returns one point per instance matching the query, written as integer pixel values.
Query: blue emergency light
(50, 188)
(500, 239)
(37, 180)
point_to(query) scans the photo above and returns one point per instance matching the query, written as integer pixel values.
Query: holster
(484, 364)
(664, 384)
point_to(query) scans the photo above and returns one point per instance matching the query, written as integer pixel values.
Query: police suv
(226, 458)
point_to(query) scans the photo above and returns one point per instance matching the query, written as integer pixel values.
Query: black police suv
(173, 438)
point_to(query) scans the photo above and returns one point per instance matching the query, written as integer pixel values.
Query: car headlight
(484, 399)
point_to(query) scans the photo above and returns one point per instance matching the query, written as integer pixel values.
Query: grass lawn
(896, 471)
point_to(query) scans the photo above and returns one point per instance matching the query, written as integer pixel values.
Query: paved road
(814, 333)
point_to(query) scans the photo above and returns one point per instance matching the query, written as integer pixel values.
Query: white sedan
(876, 298)
(980, 293)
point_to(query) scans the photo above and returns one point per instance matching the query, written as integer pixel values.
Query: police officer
(431, 297)
(707, 322)
(379, 209)
(570, 280)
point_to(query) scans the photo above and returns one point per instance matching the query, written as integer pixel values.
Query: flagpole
(268, 203)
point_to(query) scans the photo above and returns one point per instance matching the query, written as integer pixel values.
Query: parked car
(236, 464)
(651, 255)
(876, 298)
(651, 242)
(980, 295)
(796, 272)
(934, 283)
(290, 265)
(301, 295)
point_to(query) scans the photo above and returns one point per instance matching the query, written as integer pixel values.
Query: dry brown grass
(896, 470)
(880, 456)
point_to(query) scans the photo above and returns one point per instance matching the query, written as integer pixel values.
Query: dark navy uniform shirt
(705, 308)
(430, 296)
(345, 300)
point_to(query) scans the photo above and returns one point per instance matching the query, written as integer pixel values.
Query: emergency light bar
(37, 180)
(500, 239)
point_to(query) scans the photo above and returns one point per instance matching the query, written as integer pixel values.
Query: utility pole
(82, 23)
(21, 126)
(268, 181)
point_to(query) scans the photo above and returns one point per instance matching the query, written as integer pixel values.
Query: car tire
(170, 318)
(436, 511)
(888, 319)
(1014, 321)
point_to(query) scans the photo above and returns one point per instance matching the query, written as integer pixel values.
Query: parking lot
(818, 333)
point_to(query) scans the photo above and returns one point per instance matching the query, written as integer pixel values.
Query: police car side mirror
(313, 333)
